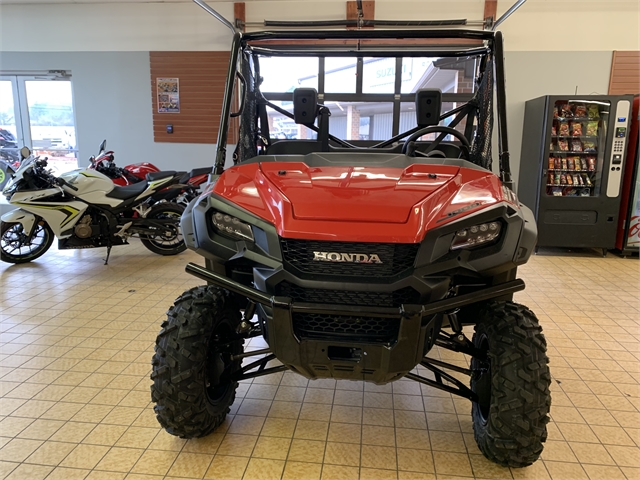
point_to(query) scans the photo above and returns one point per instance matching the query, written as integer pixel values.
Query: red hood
(368, 204)
(356, 194)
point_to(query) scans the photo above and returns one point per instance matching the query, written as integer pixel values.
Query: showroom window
(370, 98)
(37, 112)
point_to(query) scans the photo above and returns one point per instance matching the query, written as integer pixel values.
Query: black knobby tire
(510, 420)
(13, 238)
(163, 244)
(191, 387)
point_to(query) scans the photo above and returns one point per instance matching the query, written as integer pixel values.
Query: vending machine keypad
(619, 144)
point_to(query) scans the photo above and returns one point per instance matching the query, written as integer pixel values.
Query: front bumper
(417, 327)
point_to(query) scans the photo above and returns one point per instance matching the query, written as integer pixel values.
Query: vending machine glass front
(576, 152)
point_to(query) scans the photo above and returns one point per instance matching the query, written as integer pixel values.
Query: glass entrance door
(37, 112)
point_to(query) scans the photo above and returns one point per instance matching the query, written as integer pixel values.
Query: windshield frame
(370, 43)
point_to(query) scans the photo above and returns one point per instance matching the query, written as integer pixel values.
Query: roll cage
(243, 76)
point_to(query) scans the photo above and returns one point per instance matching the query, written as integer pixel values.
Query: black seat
(153, 176)
(130, 191)
(294, 147)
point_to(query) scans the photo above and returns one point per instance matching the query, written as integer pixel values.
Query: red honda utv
(354, 255)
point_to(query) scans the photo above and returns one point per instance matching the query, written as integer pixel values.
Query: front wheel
(512, 384)
(169, 240)
(16, 246)
(193, 385)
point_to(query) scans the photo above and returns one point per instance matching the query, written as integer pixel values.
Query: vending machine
(628, 241)
(571, 168)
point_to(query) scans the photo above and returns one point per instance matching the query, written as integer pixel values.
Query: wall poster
(168, 95)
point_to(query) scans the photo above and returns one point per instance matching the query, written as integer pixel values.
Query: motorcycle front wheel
(17, 247)
(169, 241)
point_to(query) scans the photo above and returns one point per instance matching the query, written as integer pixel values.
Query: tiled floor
(76, 339)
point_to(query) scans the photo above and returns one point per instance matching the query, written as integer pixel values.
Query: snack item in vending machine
(577, 180)
(556, 111)
(550, 179)
(585, 192)
(576, 129)
(571, 164)
(592, 129)
(589, 146)
(556, 179)
(565, 110)
(563, 179)
(591, 161)
(564, 164)
(594, 111)
(557, 192)
(576, 145)
(552, 163)
(583, 164)
(580, 110)
(564, 129)
(554, 130)
(569, 179)
(558, 163)
(587, 180)
(563, 145)
(576, 161)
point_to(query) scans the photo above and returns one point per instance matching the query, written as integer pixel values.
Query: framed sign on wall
(168, 95)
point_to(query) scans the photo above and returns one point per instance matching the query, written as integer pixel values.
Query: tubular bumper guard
(379, 363)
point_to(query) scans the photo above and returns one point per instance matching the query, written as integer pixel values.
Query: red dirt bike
(137, 172)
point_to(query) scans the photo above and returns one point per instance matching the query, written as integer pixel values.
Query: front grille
(346, 327)
(405, 295)
(395, 257)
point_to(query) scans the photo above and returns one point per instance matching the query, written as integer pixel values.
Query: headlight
(232, 227)
(10, 189)
(476, 235)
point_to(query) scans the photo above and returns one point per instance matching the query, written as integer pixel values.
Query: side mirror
(25, 152)
(428, 107)
(305, 105)
(103, 147)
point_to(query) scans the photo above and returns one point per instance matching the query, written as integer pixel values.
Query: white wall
(540, 25)
(572, 25)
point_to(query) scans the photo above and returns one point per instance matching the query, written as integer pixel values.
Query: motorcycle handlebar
(62, 181)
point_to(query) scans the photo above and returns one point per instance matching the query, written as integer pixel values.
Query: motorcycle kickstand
(106, 260)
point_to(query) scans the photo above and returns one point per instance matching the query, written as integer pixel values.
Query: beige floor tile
(624, 456)
(340, 472)
(378, 474)
(315, 411)
(73, 432)
(274, 448)
(263, 469)
(64, 473)
(191, 465)
(346, 432)
(452, 464)
(208, 445)
(306, 451)
(105, 435)
(50, 453)
(378, 457)
(565, 471)
(85, 456)
(246, 425)
(600, 472)
(346, 414)
(240, 445)
(342, 454)
(311, 430)
(154, 462)
(558, 451)
(415, 460)
(31, 472)
(227, 468)
(302, 471)
(120, 459)
(18, 449)
(278, 427)
(378, 416)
